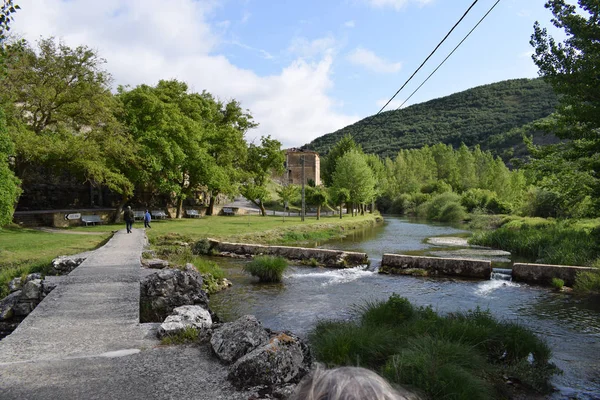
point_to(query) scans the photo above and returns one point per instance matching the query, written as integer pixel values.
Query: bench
(228, 211)
(91, 219)
(139, 214)
(158, 214)
(192, 213)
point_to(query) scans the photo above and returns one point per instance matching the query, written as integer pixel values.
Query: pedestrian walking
(147, 219)
(129, 218)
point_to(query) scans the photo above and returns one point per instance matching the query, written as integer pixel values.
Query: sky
(303, 68)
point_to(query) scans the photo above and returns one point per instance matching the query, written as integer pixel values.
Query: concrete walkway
(84, 341)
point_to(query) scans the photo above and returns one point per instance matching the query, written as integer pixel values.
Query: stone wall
(329, 258)
(543, 273)
(400, 264)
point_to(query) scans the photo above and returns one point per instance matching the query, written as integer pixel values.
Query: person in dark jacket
(128, 217)
(147, 219)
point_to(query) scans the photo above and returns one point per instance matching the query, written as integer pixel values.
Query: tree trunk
(341, 204)
(362, 209)
(263, 212)
(179, 207)
(211, 205)
(318, 212)
(119, 209)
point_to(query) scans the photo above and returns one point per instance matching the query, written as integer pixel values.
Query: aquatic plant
(267, 268)
(557, 283)
(456, 356)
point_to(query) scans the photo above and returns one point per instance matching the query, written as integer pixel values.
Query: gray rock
(64, 264)
(32, 291)
(155, 263)
(23, 307)
(167, 289)
(235, 339)
(33, 276)
(185, 317)
(15, 284)
(278, 362)
(48, 286)
(7, 305)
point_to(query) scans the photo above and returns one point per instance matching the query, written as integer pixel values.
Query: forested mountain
(474, 117)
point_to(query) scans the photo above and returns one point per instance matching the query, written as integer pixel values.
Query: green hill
(484, 115)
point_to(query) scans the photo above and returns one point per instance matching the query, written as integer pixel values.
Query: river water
(571, 325)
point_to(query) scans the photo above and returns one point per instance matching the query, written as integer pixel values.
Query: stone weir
(543, 273)
(328, 258)
(408, 265)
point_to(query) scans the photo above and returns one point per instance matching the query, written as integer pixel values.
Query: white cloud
(142, 45)
(396, 4)
(371, 61)
(349, 24)
(319, 47)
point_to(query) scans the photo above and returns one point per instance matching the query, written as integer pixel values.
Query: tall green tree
(571, 67)
(344, 145)
(353, 174)
(60, 115)
(317, 196)
(263, 161)
(287, 194)
(9, 184)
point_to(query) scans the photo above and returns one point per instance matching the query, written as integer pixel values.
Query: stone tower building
(293, 163)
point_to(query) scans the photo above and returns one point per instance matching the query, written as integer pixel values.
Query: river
(571, 325)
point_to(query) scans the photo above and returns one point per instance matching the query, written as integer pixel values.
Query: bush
(444, 207)
(482, 199)
(266, 268)
(557, 283)
(541, 203)
(587, 282)
(457, 356)
(202, 247)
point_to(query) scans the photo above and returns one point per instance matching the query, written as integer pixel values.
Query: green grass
(267, 268)
(188, 335)
(24, 251)
(456, 356)
(557, 283)
(544, 240)
(587, 283)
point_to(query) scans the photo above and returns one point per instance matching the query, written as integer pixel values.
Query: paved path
(84, 341)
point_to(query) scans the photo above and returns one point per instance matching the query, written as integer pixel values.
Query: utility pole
(303, 179)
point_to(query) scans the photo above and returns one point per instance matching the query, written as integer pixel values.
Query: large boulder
(186, 317)
(15, 284)
(167, 289)
(235, 339)
(8, 304)
(278, 362)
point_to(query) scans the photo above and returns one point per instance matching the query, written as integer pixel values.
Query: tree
(344, 145)
(287, 194)
(353, 174)
(317, 196)
(262, 162)
(171, 127)
(60, 115)
(571, 67)
(9, 184)
(340, 196)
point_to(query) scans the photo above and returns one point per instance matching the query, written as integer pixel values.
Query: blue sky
(303, 68)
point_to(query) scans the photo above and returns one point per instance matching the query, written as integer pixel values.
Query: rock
(184, 317)
(155, 263)
(48, 286)
(235, 339)
(148, 254)
(15, 284)
(7, 305)
(23, 308)
(278, 362)
(33, 276)
(167, 289)
(64, 264)
(6, 328)
(32, 291)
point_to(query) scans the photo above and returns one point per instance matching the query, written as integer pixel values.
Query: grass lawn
(24, 251)
(254, 228)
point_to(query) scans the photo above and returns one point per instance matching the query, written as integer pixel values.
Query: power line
(428, 57)
(448, 56)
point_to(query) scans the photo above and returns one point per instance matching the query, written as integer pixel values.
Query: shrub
(557, 283)
(443, 207)
(587, 282)
(202, 247)
(541, 203)
(266, 268)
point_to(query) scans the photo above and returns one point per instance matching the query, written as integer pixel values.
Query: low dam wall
(401, 265)
(329, 258)
(543, 273)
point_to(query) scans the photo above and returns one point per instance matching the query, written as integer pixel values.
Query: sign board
(73, 216)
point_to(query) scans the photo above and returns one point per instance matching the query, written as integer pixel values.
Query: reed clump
(267, 268)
